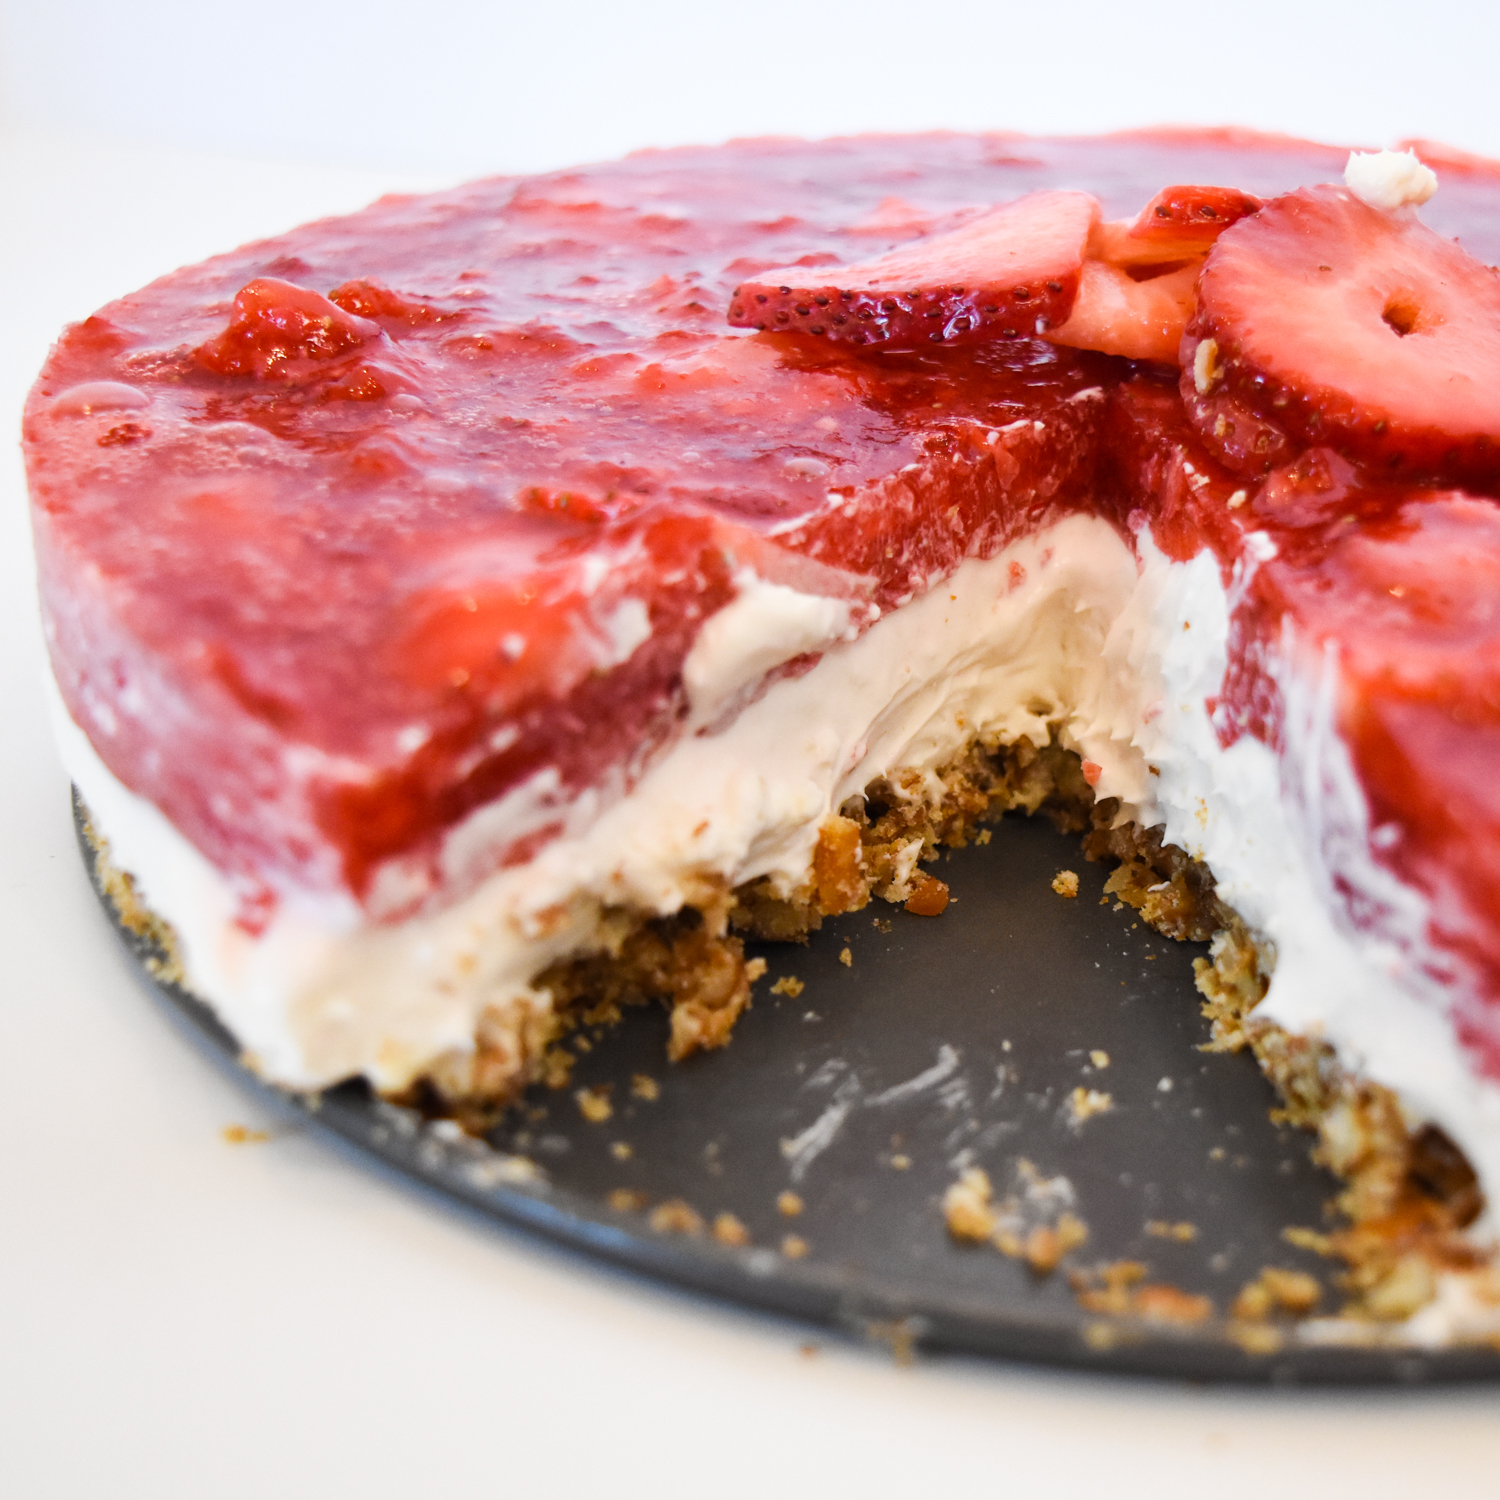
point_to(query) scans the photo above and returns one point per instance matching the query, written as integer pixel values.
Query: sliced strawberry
(1238, 434)
(1177, 224)
(1011, 273)
(1136, 293)
(1116, 314)
(1331, 322)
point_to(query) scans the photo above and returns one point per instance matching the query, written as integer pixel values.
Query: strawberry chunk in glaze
(278, 330)
(1324, 321)
(1011, 273)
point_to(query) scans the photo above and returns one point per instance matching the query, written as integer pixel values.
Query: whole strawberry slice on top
(1011, 273)
(1323, 320)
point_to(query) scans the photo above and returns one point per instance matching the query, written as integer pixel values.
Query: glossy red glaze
(348, 533)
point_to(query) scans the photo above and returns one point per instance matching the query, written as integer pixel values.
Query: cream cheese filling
(1069, 628)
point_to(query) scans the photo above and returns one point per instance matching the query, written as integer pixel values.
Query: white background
(469, 86)
(182, 1317)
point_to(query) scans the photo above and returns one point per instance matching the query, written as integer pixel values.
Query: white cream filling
(1066, 627)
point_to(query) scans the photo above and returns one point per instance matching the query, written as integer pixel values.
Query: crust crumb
(789, 1204)
(627, 1200)
(789, 985)
(1183, 1233)
(1065, 883)
(1044, 1248)
(728, 1230)
(1102, 1337)
(1121, 1290)
(1276, 1291)
(1394, 1291)
(837, 862)
(688, 962)
(1034, 1222)
(1084, 1103)
(556, 1073)
(899, 1336)
(594, 1105)
(1107, 1289)
(929, 896)
(643, 1086)
(1255, 1338)
(1170, 1304)
(794, 1247)
(966, 1207)
(675, 1217)
(244, 1135)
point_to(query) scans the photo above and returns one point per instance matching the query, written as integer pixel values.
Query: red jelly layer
(1386, 605)
(350, 532)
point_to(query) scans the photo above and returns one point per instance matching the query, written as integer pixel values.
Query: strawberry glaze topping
(346, 534)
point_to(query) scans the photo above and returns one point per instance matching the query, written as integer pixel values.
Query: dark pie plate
(941, 1043)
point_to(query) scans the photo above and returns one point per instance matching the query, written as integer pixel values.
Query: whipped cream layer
(1067, 630)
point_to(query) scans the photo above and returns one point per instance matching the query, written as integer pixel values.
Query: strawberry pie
(492, 607)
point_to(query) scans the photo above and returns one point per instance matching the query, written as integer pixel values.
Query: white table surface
(184, 1317)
